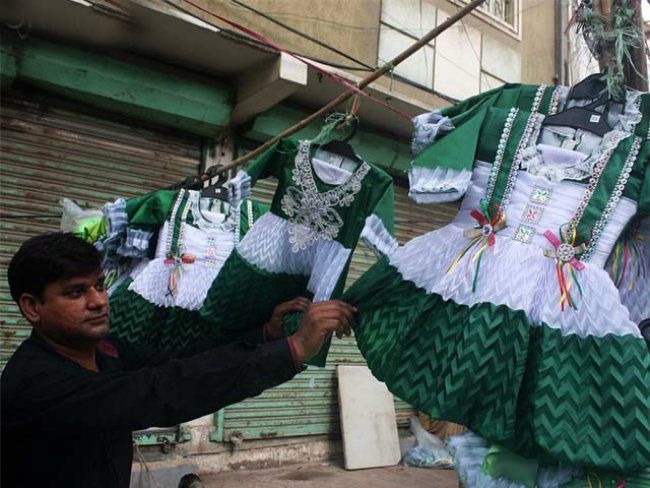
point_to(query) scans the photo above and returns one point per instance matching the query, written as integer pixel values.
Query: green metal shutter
(49, 153)
(308, 405)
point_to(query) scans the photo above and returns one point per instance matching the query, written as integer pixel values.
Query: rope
(378, 73)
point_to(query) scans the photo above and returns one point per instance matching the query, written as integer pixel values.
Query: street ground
(329, 475)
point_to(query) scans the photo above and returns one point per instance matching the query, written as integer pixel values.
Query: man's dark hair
(46, 258)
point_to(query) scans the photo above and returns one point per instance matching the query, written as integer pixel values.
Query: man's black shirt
(66, 426)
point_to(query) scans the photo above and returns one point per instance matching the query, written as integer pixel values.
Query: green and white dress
(505, 320)
(303, 246)
(177, 243)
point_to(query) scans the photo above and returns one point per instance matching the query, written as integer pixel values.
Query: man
(70, 397)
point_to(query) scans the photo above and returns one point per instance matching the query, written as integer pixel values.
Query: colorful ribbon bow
(482, 236)
(565, 254)
(175, 273)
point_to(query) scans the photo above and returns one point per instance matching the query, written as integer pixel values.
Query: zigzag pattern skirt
(560, 398)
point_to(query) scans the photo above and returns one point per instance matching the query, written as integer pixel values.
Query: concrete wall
(349, 25)
(473, 56)
(538, 43)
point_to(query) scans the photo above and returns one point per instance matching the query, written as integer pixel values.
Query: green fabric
(500, 462)
(456, 150)
(149, 211)
(604, 189)
(138, 321)
(497, 118)
(279, 161)
(244, 295)
(582, 401)
(385, 209)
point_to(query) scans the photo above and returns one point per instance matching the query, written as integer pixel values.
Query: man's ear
(30, 307)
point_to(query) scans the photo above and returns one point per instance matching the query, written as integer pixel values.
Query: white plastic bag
(73, 215)
(429, 451)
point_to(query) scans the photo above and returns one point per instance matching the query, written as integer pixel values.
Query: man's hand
(320, 321)
(273, 328)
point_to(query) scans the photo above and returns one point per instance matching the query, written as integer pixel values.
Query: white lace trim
(312, 215)
(377, 237)
(436, 185)
(568, 165)
(577, 168)
(632, 115)
(469, 451)
(267, 246)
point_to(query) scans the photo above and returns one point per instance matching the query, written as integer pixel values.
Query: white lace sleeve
(437, 185)
(427, 128)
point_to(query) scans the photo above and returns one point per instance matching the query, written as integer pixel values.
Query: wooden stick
(347, 94)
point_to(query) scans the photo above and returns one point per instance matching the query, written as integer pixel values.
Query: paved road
(333, 476)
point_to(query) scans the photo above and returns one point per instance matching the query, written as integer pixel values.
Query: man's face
(72, 310)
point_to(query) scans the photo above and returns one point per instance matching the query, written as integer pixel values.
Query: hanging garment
(177, 243)
(303, 246)
(629, 264)
(505, 320)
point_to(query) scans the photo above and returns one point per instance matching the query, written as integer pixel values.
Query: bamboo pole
(349, 93)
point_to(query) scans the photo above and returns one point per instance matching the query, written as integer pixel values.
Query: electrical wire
(258, 43)
(301, 34)
(352, 87)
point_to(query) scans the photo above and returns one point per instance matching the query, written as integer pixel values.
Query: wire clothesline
(351, 89)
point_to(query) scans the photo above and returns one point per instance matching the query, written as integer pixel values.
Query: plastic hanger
(586, 118)
(217, 189)
(590, 88)
(341, 147)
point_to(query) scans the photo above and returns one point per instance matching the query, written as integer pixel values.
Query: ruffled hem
(376, 236)
(469, 450)
(267, 246)
(437, 185)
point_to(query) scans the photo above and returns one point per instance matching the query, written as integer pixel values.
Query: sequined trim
(524, 233)
(310, 213)
(172, 221)
(532, 213)
(541, 195)
(554, 104)
(501, 148)
(516, 164)
(538, 98)
(614, 198)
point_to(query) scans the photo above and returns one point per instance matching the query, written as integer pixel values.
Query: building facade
(104, 99)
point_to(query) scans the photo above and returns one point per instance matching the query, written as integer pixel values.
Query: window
(503, 10)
